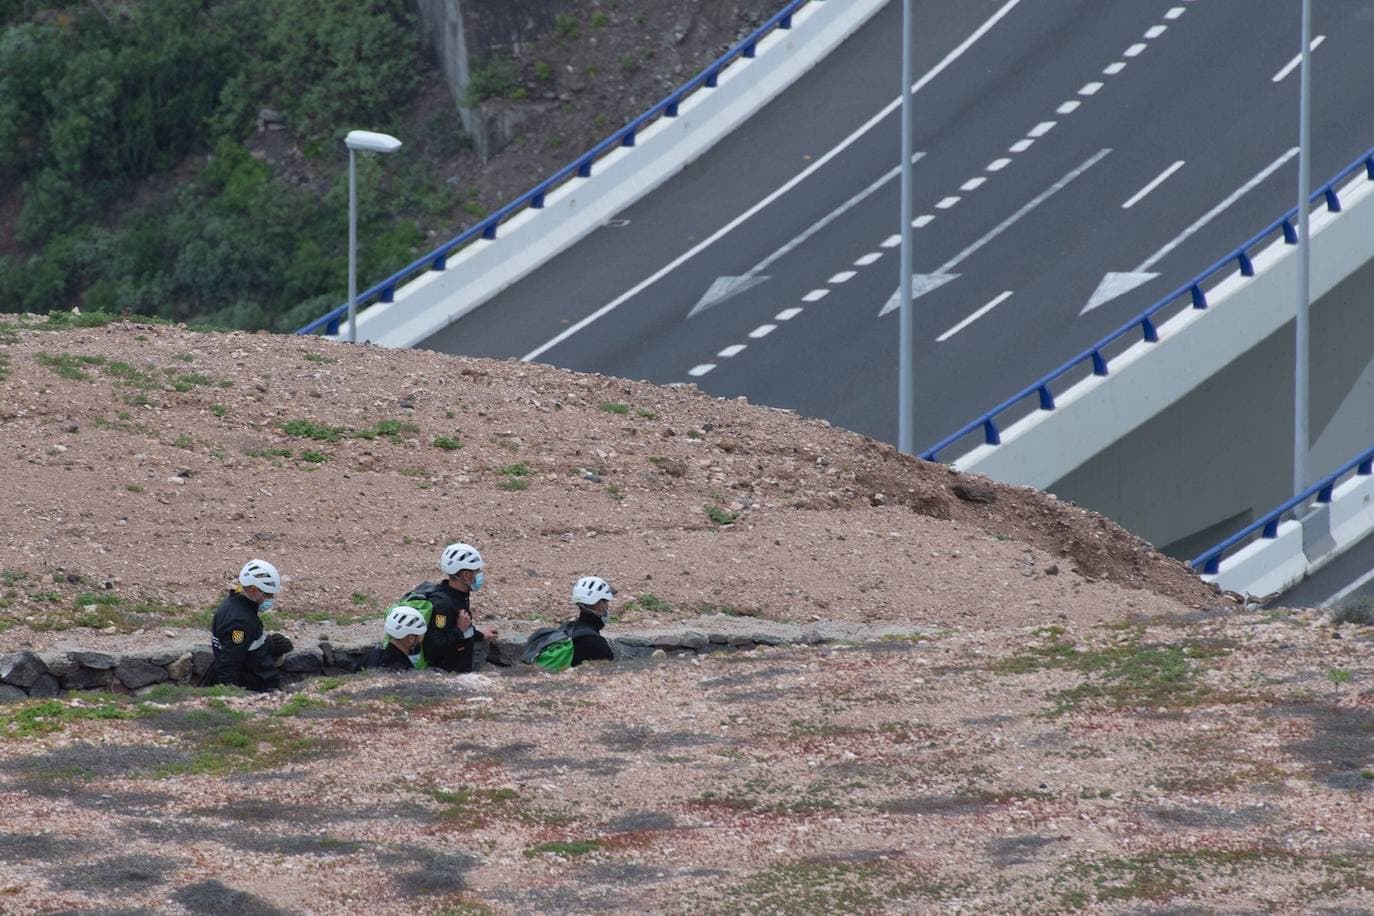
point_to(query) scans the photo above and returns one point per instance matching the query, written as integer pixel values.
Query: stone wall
(26, 674)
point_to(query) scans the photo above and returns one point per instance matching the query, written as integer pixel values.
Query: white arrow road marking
(1116, 284)
(974, 317)
(924, 283)
(723, 288)
(788, 185)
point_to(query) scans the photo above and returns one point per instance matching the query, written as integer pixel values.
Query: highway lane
(1154, 84)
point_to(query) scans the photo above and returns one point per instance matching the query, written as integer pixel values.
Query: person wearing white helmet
(245, 656)
(400, 650)
(450, 640)
(592, 595)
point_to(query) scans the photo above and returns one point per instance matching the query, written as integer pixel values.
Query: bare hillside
(1031, 712)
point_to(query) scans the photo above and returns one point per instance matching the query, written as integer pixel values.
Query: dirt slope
(1075, 724)
(156, 461)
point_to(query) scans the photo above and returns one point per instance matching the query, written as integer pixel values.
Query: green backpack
(420, 600)
(551, 648)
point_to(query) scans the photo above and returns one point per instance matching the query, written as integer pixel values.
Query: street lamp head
(372, 142)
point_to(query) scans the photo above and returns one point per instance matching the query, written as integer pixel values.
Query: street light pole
(906, 360)
(375, 143)
(1301, 370)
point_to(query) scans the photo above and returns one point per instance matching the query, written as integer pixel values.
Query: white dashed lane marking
(1090, 88)
(868, 259)
(947, 202)
(762, 331)
(1174, 13)
(1114, 68)
(787, 314)
(1020, 146)
(699, 371)
(843, 276)
(816, 295)
(732, 350)
(925, 219)
(972, 184)
(1069, 107)
(997, 165)
(1155, 31)
(1135, 49)
(1041, 129)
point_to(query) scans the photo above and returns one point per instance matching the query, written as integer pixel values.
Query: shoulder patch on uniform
(237, 636)
(440, 621)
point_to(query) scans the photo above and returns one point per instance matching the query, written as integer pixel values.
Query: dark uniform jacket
(389, 657)
(589, 647)
(444, 644)
(239, 642)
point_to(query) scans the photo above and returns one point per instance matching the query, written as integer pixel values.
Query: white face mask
(414, 658)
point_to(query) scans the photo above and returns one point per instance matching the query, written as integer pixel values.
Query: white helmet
(591, 589)
(402, 621)
(458, 557)
(262, 574)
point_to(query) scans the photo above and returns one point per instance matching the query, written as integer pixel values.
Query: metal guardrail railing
(581, 167)
(1144, 323)
(1209, 562)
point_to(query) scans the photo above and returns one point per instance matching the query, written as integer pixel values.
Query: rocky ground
(1032, 710)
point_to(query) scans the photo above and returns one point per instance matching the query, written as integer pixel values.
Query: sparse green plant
(447, 443)
(218, 410)
(720, 516)
(314, 457)
(362, 599)
(47, 716)
(599, 20)
(566, 27)
(519, 469)
(513, 483)
(269, 453)
(629, 63)
(183, 441)
(320, 358)
(133, 488)
(309, 429)
(693, 434)
(644, 414)
(66, 365)
(614, 492)
(620, 409)
(1339, 675)
(542, 71)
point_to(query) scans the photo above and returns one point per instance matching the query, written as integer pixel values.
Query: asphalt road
(1060, 140)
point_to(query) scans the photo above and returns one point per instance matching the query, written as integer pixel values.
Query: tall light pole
(374, 143)
(1300, 323)
(906, 360)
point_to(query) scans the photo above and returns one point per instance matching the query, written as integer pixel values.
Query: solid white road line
(1358, 583)
(788, 185)
(1213, 213)
(1162, 177)
(974, 317)
(1293, 64)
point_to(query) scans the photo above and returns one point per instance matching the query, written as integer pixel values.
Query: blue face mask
(477, 583)
(267, 604)
(414, 658)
